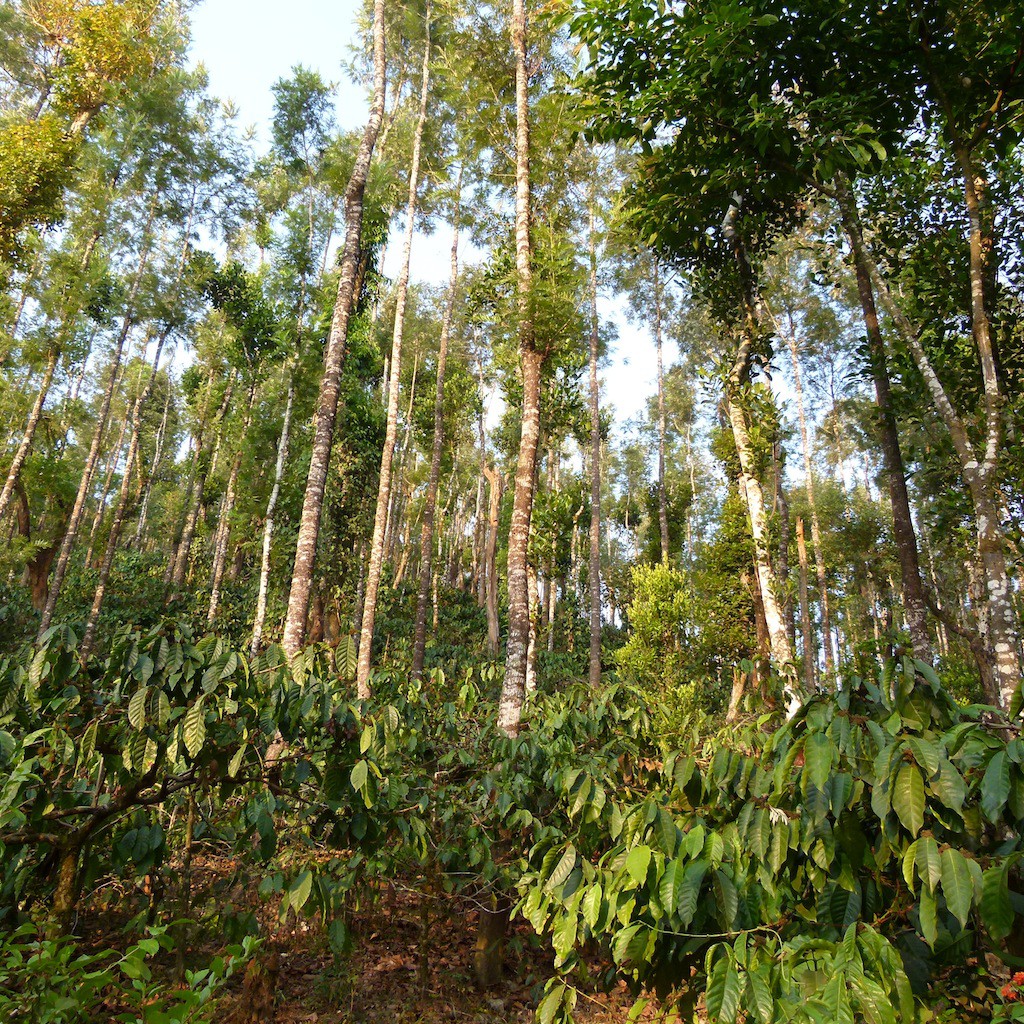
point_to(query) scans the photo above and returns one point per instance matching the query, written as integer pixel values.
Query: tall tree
(334, 357)
(373, 573)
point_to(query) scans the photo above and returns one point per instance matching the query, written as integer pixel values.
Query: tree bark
(816, 545)
(427, 532)
(594, 571)
(658, 341)
(807, 630)
(997, 652)
(490, 570)
(220, 552)
(531, 361)
(337, 344)
(268, 524)
(373, 573)
(85, 484)
(36, 412)
(903, 522)
(749, 485)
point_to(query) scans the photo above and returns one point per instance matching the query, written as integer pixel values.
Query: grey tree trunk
(375, 566)
(997, 651)
(268, 524)
(337, 344)
(220, 552)
(594, 572)
(92, 459)
(427, 532)
(816, 544)
(807, 630)
(513, 690)
(659, 344)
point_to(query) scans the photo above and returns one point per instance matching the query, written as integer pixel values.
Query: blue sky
(247, 46)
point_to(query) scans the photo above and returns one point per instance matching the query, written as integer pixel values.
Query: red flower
(1018, 978)
(1008, 992)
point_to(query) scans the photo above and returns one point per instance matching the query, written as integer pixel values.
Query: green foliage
(50, 981)
(676, 650)
(825, 871)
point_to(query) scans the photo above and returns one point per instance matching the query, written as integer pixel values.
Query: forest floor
(382, 979)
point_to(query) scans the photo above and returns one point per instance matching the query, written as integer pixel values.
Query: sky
(248, 46)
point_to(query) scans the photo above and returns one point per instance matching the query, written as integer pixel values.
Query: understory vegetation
(552, 551)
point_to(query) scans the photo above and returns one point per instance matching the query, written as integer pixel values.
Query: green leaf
(949, 787)
(759, 997)
(929, 868)
(668, 889)
(194, 727)
(996, 909)
(908, 798)
(926, 754)
(300, 889)
(552, 1002)
(995, 787)
(360, 773)
(563, 869)
(689, 893)
(630, 946)
(818, 759)
(957, 886)
(137, 709)
(637, 863)
(236, 762)
(668, 834)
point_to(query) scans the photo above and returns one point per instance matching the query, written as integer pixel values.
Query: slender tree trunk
(903, 522)
(810, 650)
(594, 572)
(997, 652)
(531, 361)
(220, 553)
(384, 487)
(153, 469)
(427, 533)
(337, 343)
(659, 344)
(268, 525)
(85, 484)
(192, 521)
(749, 485)
(36, 412)
(491, 560)
(99, 594)
(816, 544)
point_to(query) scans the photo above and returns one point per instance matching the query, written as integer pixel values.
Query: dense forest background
(350, 582)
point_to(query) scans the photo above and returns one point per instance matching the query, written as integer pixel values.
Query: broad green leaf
(818, 759)
(300, 889)
(360, 773)
(637, 863)
(996, 909)
(995, 786)
(949, 787)
(929, 867)
(957, 886)
(563, 869)
(137, 708)
(668, 889)
(759, 997)
(908, 798)
(926, 754)
(194, 727)
(667, 833)
(689, 893)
